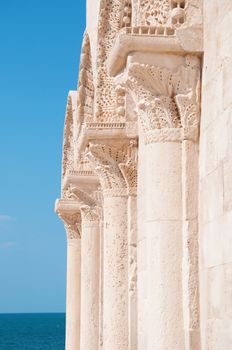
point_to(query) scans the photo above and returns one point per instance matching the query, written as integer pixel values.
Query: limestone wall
(216, 178)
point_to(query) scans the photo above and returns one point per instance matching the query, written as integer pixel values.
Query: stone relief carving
(89, 206)
(72, 223)
(126, 20)
(166, 99)
(161, 12)
(85, 83)
(78, 109)
(115, 168)
(68, 146)
(114, 15)
(154, 12)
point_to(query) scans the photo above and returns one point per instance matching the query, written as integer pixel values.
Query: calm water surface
(32, 331)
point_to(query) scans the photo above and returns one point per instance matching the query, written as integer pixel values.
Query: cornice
(95, 131)
(153, 40)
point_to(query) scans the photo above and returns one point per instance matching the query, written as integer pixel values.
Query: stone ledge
(185, 40)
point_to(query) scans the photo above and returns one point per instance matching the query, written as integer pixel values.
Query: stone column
(90, 269)
(129, 171)
(168, 113)
(72, 219)
(106, 160)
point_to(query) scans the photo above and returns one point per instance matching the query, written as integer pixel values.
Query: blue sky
(39, 55)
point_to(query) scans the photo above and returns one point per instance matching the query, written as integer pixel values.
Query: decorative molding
(85, 82)
(79, 109)
(153, 12)
(68, 144)
(148, 31)
(114, 15)
(115, 192)
(161, 12)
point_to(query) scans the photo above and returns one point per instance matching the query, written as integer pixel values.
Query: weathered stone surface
(146, 195)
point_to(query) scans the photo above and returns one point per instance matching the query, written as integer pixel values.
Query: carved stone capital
(167, 100)
(116, 168)
(90, 206)
(69, 213)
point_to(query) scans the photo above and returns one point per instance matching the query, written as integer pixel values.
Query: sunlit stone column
(90, 269)
(167, 102)
(69, 212)
(129, 171)
(106, 160)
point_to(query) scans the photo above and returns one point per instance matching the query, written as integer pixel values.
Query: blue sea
(32, 331)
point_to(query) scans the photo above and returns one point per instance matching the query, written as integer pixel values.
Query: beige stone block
(214, 147)
(226, 236)
(223, 8)
(141, 253)
(216, 242)
(227, 81)
(223, 36)
(211, 196)
(142, 284)
(218, 335)
(210, 44)
(219, 292)
(227, 185)
(211, 94)
(211, 244)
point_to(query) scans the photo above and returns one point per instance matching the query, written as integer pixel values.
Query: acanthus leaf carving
(116, 168)
(166, 99)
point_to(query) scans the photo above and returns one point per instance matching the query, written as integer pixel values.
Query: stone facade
(146, 196)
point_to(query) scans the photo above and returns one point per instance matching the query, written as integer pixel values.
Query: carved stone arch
(68, 144)
(114, 15)
(85, 87)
